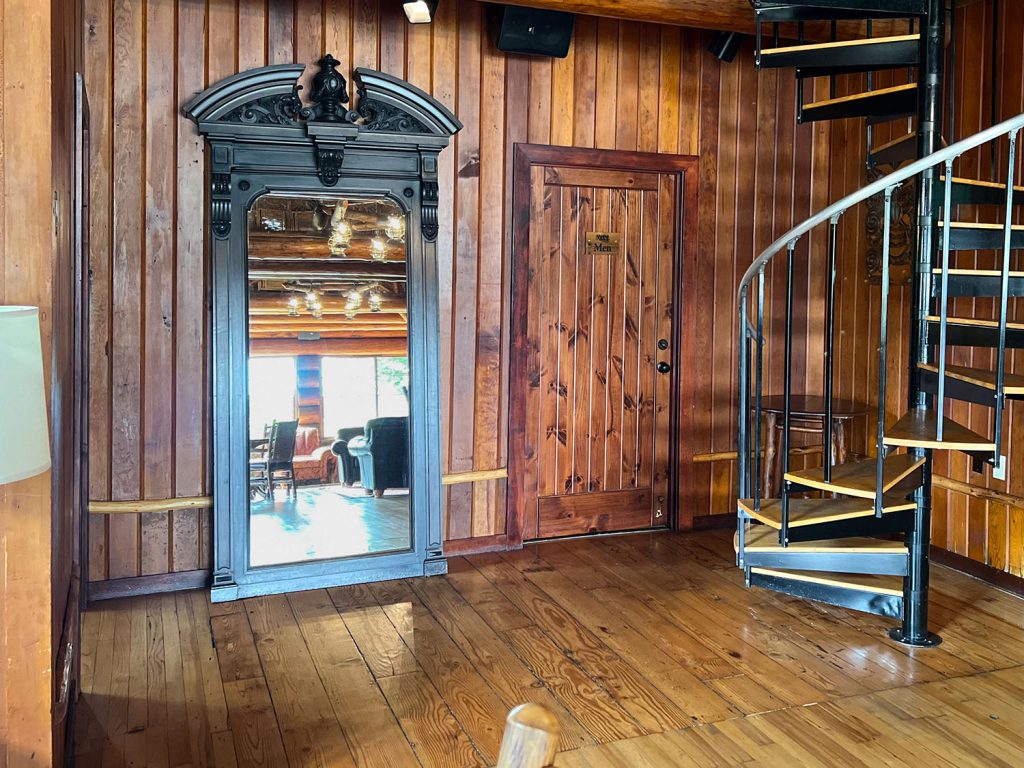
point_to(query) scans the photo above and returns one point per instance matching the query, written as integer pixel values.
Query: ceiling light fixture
(293, 306)
(374, 300)
(341, 232)
(420, 11)
(378, 250)
(394, 228)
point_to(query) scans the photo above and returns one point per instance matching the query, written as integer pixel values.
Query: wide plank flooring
(647, 648)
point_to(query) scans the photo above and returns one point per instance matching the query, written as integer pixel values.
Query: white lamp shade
(25, 442)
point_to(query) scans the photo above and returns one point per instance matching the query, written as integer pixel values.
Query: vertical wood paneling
(191, 394)
(126, 270)
(624, 85)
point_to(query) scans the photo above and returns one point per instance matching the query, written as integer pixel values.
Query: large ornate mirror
(326, 407)
(328, 379)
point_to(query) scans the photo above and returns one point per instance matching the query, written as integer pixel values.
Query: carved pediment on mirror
(273, 96)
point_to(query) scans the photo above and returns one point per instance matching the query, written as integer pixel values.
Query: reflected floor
(324, 522)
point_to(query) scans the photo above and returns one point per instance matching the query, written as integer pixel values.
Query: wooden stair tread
(977, 272)
(761, 538)
(894, 142)
(980, 183)
(917, 428)
(979, 225)
(864, 95)
(976, 322)
(887, 585)
(803, 512)
(858, 478)
(840, 44)
(1013, 384)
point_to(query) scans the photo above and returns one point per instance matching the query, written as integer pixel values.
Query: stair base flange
(929, 641)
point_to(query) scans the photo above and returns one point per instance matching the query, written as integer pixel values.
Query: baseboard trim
(476, 545)
(134, 586)
(1000, 579)
(714, 522)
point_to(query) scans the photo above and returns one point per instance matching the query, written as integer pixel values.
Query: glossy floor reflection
(646, 647)
(324, 522)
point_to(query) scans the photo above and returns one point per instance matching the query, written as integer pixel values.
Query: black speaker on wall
(532, 31)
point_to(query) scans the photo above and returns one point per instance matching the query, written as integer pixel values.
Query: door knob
(664, 367)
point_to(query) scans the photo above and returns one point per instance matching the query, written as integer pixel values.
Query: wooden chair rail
(136, 506)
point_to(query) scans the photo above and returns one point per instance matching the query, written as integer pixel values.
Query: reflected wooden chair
(277, 465)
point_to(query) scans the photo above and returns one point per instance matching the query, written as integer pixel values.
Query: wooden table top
(805, 406)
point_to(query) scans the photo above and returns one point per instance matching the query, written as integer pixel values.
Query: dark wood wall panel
(624, 85)
(967, 519)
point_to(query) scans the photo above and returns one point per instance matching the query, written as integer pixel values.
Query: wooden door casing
(591, 421)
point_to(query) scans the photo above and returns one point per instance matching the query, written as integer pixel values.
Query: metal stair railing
(751, 331)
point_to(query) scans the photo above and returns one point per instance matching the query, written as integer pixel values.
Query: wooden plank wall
(971, 524)
(624, 85)
(38, 40)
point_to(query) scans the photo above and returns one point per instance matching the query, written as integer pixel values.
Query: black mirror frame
(263, 139)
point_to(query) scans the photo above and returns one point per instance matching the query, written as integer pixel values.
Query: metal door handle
(664, 367)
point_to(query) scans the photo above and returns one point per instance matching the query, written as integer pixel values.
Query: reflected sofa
(314, 463)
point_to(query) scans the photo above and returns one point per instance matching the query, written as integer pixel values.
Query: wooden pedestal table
(807, 416)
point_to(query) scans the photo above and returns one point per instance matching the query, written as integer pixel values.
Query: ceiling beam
(364, 317)
(325, 269)
(281, 245)
(727, 15)
(278, 305)
(363, 347)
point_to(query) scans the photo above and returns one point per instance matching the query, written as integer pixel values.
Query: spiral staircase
(857, 534)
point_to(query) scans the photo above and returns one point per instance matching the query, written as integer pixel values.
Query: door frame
(682, 385)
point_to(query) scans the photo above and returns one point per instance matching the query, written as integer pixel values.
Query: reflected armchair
(348, 466)
(383, 454)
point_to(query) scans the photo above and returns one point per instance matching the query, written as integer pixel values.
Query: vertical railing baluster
(800, 80)
(743, 407)
(787, 393)
(869, 129)
(830, 297)
(832, 77)
(759, 392)
(1004, 293)
(883, 340)
(947, 215)
(742, 446)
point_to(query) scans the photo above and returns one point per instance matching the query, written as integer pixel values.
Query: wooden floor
(647, 647)
(323, 522)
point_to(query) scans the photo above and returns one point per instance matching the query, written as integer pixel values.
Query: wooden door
(592, 384)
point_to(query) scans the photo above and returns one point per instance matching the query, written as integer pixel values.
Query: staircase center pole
(914, 630)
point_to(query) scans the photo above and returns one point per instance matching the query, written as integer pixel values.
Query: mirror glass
(328, 379)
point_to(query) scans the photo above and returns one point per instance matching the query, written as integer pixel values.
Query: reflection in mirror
(328, 379)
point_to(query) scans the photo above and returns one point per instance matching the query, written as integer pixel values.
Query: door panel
(598, 299)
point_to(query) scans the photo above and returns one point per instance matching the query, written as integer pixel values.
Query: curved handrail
(896, 177)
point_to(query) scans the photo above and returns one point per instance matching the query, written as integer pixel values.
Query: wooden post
(530, 739)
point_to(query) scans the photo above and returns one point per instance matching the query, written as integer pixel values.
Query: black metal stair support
(876, 106)
(983, 237)
(817, 60)
(854, 9)
(914, 627)
(978, 284)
